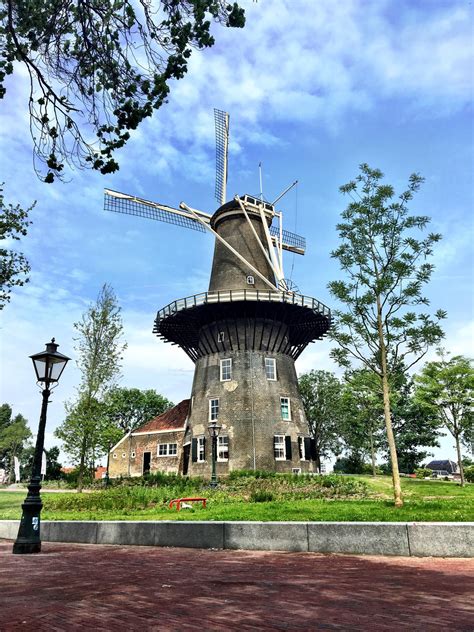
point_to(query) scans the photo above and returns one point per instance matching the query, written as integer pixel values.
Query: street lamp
(49, 365)
(214, 429)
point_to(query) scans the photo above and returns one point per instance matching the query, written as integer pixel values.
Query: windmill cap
(232, 209)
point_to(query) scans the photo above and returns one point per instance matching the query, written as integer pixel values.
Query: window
(222, 448)
(270, 368)
(226, 370)
(124, 455)
(221, 336)
(201, 450)
(285, 408)
(114, 455)
(296, 470)
(279, 447)
(250, 280)
(302, 448)
(167, 449)
(213, 409)
(133, 454)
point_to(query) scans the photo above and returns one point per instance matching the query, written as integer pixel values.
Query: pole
(214, 454)
(28, 539)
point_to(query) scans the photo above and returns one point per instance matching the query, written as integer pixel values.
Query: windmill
(244, 333)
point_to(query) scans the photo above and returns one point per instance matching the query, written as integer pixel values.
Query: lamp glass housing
(49, 364)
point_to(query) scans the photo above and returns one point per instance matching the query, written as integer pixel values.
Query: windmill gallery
(244, 335)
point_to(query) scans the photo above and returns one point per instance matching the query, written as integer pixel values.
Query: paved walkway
(89, 587)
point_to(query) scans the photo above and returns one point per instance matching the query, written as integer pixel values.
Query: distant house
(443, 468)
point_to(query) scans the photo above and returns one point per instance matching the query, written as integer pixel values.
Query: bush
(423, 472)
(469, 474)
(261, 497)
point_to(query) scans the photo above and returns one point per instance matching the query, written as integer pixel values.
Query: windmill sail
(132, 205)
(291, 241)
(221, 120)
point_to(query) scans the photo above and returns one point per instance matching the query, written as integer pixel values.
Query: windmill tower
(243, 334)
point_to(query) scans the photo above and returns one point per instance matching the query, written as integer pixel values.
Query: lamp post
(49, 365)
(214, 433)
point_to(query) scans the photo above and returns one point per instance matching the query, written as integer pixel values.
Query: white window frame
(166, 449)
(201, 449)
(227, 368)
(282, 399)
(133, 454)
(222, 448)
(302, 449)
(221, 336)
(271, 362)
(124, 455)
(114, 455)
(250, 279)
(213, 409)
(279, 445)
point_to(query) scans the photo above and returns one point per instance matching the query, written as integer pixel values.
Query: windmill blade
(291, 241)
(221, 120)
(132, 205)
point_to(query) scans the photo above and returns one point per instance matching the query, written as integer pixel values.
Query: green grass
(347, 499)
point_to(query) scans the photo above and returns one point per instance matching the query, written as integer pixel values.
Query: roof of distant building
(172, 419)
(446, 466)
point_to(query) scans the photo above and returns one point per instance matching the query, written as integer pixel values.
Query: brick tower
(244, 338)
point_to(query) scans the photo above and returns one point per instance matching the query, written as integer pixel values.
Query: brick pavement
(89, 587)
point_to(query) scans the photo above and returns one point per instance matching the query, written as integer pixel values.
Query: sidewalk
(90, 587)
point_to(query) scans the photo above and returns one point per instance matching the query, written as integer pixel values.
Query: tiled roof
(172, 419)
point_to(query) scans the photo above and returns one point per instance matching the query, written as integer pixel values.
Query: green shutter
(194, 451)
(288, 448)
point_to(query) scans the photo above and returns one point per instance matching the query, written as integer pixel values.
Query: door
(146, 462)
(186, 452)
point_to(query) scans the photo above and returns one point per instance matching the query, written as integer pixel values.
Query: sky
(314, 88)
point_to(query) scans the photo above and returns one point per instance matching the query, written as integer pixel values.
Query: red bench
(178, 501)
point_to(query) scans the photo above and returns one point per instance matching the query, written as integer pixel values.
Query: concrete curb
(420, 539)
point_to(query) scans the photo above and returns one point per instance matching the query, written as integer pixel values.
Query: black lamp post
(214, 433)
(49, 365)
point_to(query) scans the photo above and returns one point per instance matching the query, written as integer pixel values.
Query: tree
(14, 434)
(100, 348)
(361, 414)
(14, 266)
(381, 327)
(446, 388)
(100, 68)
(415, 427)
(129, 408)
(53, 467)
(321, 395)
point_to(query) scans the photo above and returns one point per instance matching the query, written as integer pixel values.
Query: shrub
(261, 497)
(469, 474)
(423, 472)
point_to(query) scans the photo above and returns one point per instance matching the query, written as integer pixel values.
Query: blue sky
(313, 88)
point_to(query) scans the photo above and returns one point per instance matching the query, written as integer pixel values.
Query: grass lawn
(428, 501)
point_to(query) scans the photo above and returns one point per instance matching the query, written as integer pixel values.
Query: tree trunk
(397, 490)
(372, 453)
(318, 460)
(461, 469)
(80, 478)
